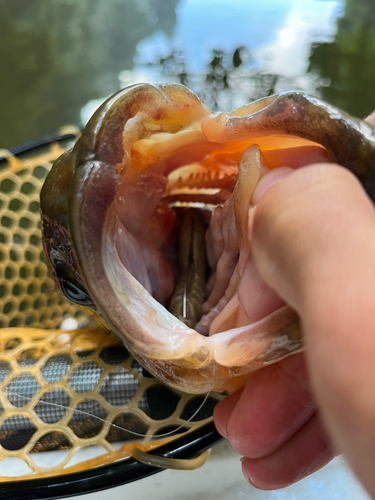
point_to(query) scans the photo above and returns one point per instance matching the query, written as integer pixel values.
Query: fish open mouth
(180, 228)
(159, 195)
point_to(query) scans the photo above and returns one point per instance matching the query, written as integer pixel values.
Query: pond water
(60, 59)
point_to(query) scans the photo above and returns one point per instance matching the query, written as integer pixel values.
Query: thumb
(313, 242)
(309, 227)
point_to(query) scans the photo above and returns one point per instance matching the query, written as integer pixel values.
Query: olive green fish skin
(350, 141)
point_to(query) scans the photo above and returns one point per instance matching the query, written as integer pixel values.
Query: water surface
(60, 59)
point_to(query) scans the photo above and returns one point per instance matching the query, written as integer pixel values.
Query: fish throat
(190, 291)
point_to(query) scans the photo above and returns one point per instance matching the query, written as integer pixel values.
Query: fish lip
(88, 147)
(85, 149)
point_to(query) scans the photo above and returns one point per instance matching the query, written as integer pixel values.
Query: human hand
(313, 242)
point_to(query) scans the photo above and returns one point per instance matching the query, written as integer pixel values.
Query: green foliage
(348, 61)
(57, 55)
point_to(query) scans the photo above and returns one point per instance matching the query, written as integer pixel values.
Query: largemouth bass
(145, 223)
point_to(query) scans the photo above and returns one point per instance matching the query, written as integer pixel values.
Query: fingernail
(268, 180)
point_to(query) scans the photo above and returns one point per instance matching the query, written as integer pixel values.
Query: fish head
(146, 224)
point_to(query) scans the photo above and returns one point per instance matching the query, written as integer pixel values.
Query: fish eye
(71, 288)
(75, 294)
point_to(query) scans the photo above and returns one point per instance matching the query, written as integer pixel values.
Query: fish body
(145, 224)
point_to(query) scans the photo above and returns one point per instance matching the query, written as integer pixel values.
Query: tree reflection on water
(231, 79)
(348, 61)
(55, 56)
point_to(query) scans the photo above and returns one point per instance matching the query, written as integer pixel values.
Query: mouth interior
(180, 227)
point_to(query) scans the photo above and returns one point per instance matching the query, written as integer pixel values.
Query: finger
(223, 410)
(314, 244)
(304, 224)
(371, 118)
(306, 452)
(273, 405)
